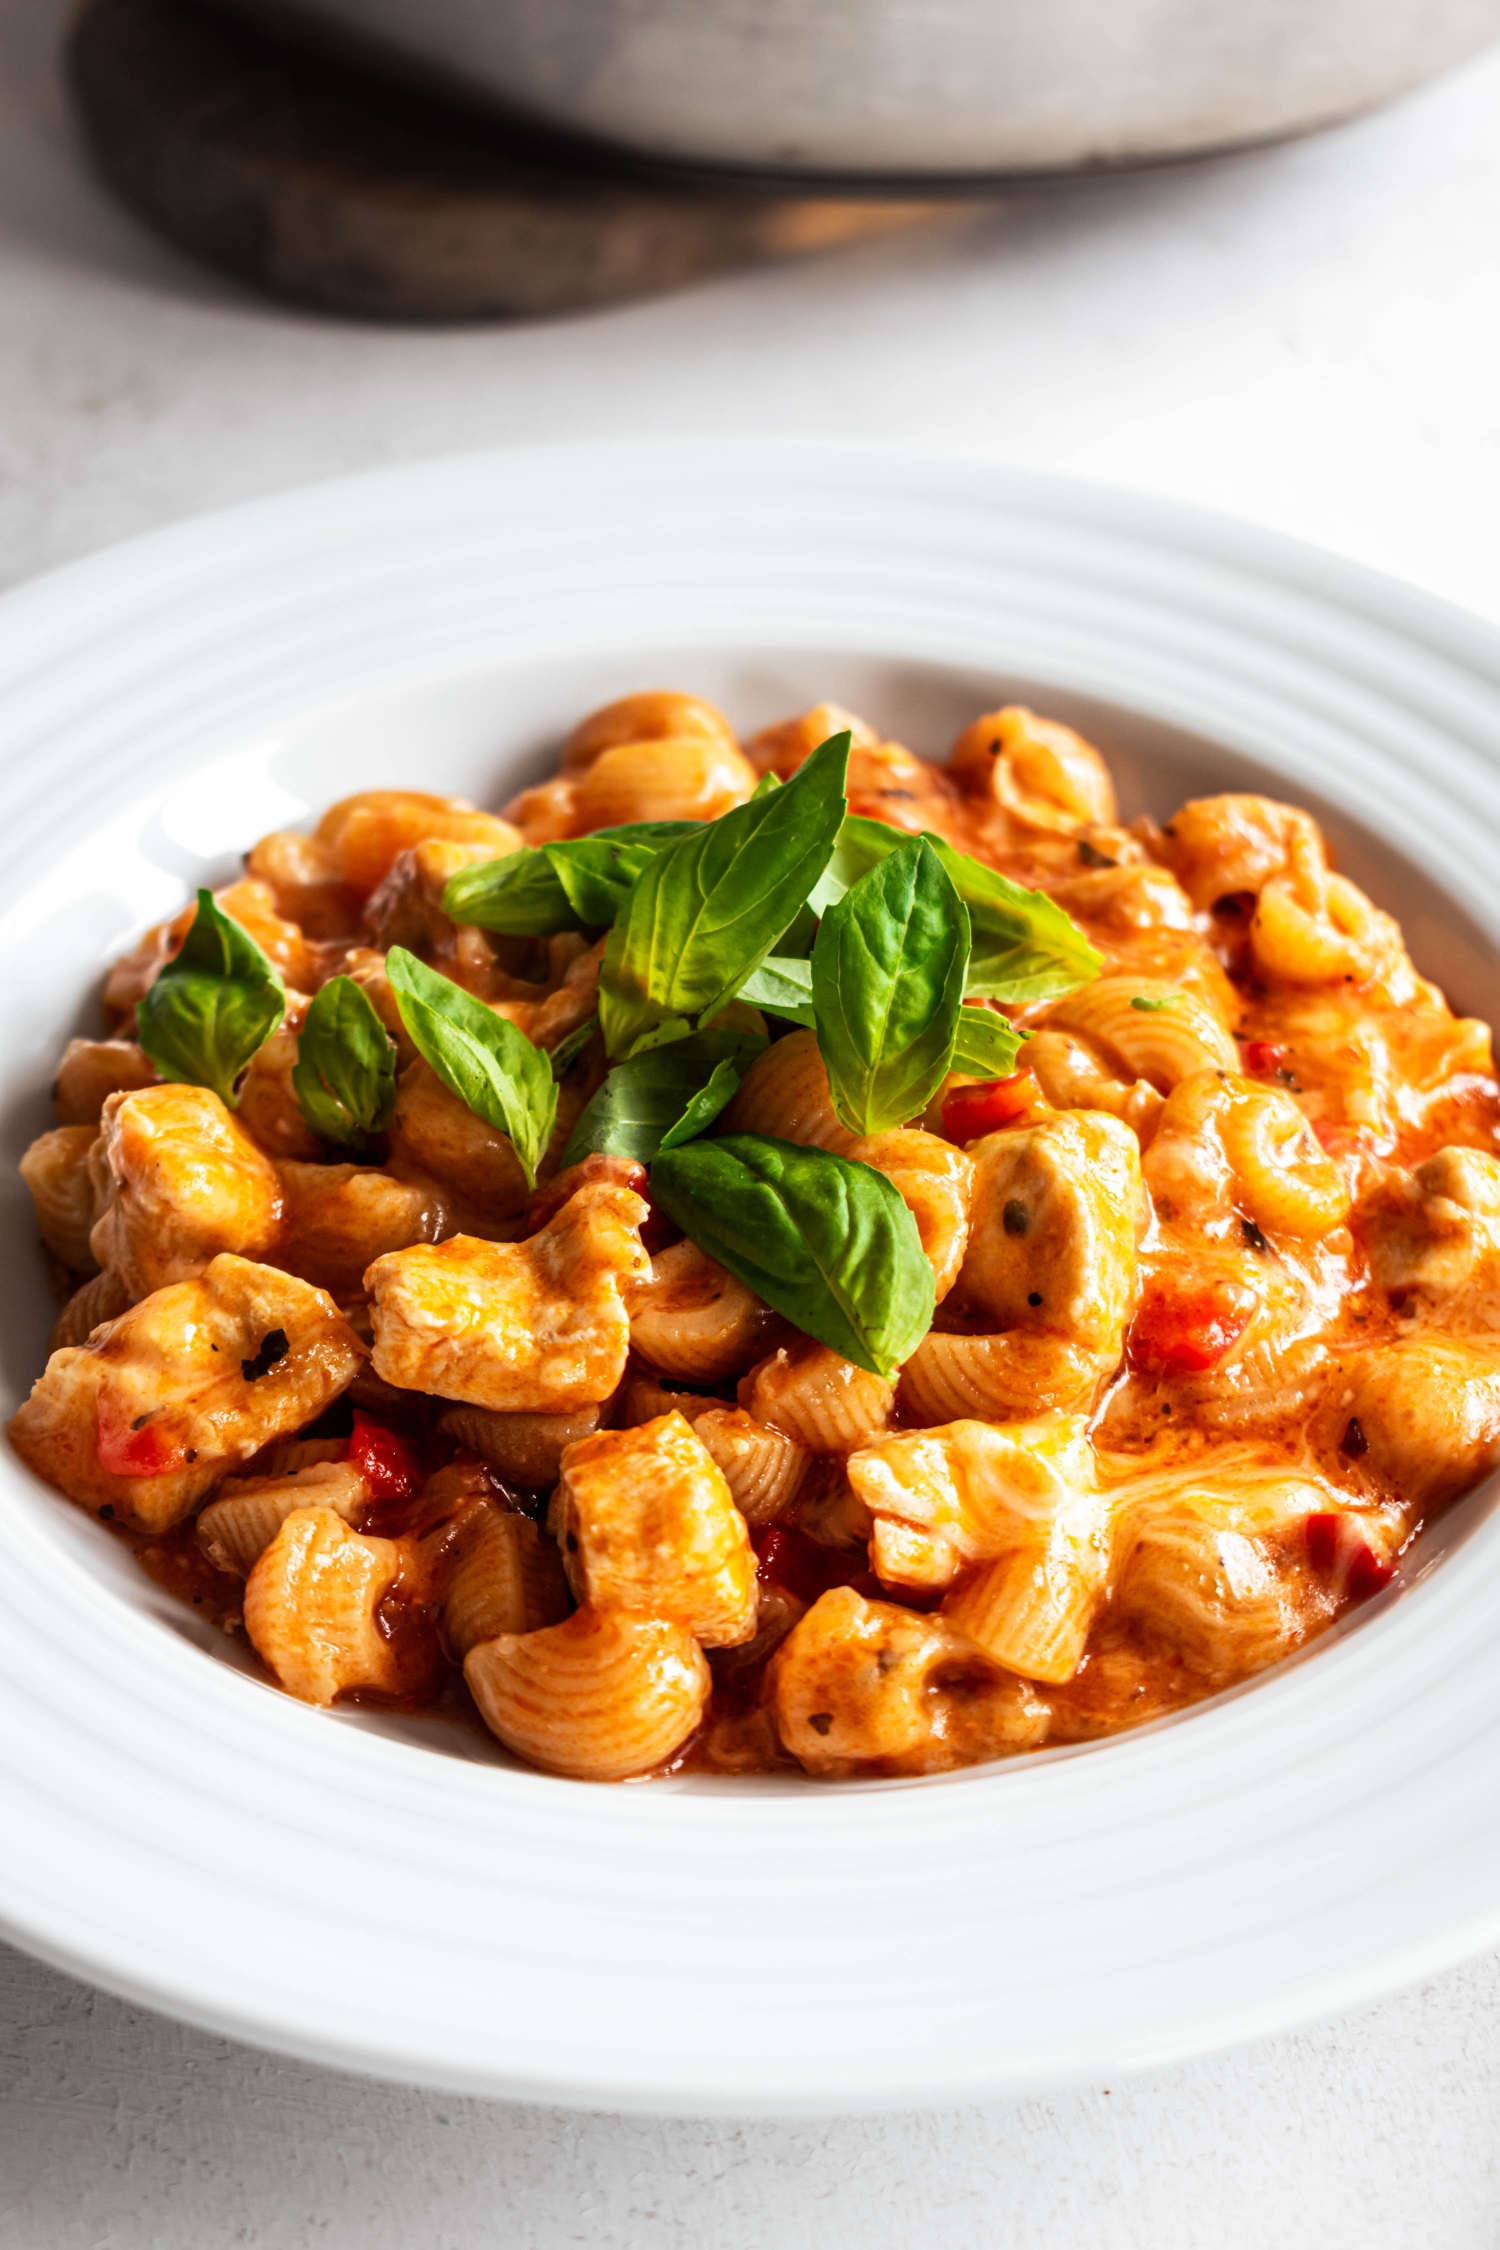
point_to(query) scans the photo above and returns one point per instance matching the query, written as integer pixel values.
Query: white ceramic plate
(384, 1896)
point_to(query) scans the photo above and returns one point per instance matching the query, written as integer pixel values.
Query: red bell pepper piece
(1185, 1327)
(970, 1112)
(132, 1448)
(384, 1460)
(1263, 1058)
(1339, 1551)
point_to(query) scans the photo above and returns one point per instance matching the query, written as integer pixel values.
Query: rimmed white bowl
(386, 1896)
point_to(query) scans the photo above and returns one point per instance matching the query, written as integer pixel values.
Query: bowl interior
(130, 858)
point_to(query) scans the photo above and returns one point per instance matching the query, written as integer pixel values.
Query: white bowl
(384, 1895)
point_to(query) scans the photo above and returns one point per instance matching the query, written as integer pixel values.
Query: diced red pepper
(1185, 1327)
(970, 1112)
(1263, 1058)
(384, 1460)
(1339, 1551)
(804, 1568)
(133, 1448)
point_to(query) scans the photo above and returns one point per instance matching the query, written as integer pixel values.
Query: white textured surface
(1310, 336)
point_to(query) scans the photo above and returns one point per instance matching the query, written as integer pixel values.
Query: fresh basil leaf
(986, 1046)
(782, 988)
(568, 1049)
(580, 884)
(827, 1243)
(888, 984)
(517, 896)
(709, 908)
(344, 1077)
(704, 1107)
(1023, 946)
(212, 1008)
(763, 787)
(481, 1057)
(662, 1097)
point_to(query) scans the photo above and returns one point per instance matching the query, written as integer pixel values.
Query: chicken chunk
(1423, 1415)
(860, 1687)
(646, 1522)
(1433, 1240)
(179, 1181)
(1057, 1208)
(539, 1326)
(152, 1412)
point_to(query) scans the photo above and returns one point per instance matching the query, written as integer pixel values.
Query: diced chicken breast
(152, 1412)
(646, 1522)
(539, 1326)
(179, 1181)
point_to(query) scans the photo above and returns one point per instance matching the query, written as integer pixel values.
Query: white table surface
(1307, 335)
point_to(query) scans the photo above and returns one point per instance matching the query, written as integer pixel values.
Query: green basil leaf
(710, 908)
(782, 988)
(888, 984)
(344, 1077)
(663, 1096)
(569, 1048)
(1023, 946)
(517, 896)
(209, 1012)
(827, 1243)
(986, 1046)
(580, 884)
(493, 1068)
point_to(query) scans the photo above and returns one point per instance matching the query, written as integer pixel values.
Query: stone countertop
(1307, 335)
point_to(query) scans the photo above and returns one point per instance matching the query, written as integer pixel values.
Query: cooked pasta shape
(93, 1069)
(936, 1183)
(818, 1399)
(1225, 1148)
(763, 1468)
(312, 1603)
(603, 1696)
(501, 1575)
(695, 1321)
(56, 1168)
(236, 1528)
(1009, 1378)
(103, 1298)
(785, 1093)
(524, 1450)
(1169, 1038)
(1041, 773)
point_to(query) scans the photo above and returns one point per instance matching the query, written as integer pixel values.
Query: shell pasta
(773, 1252)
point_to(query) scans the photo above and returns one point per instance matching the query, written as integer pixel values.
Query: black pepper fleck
(1354, 1443)
(1254, 1239)
(1016, 1216)
(273, 1346)
(820, 1721)
(106, 1511)
(1035, 1298)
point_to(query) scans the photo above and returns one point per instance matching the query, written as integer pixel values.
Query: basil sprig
(211, 1009)
(344, 1077)
(482, 1058)
(781, 988)
(1024, 948)
(708, 909)
(827, 1243)
(581, 884)
(887, 985)
(663, 1097)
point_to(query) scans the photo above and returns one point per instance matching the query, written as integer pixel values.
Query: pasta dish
(774, 1254)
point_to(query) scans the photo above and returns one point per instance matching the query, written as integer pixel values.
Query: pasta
(466, 1274)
